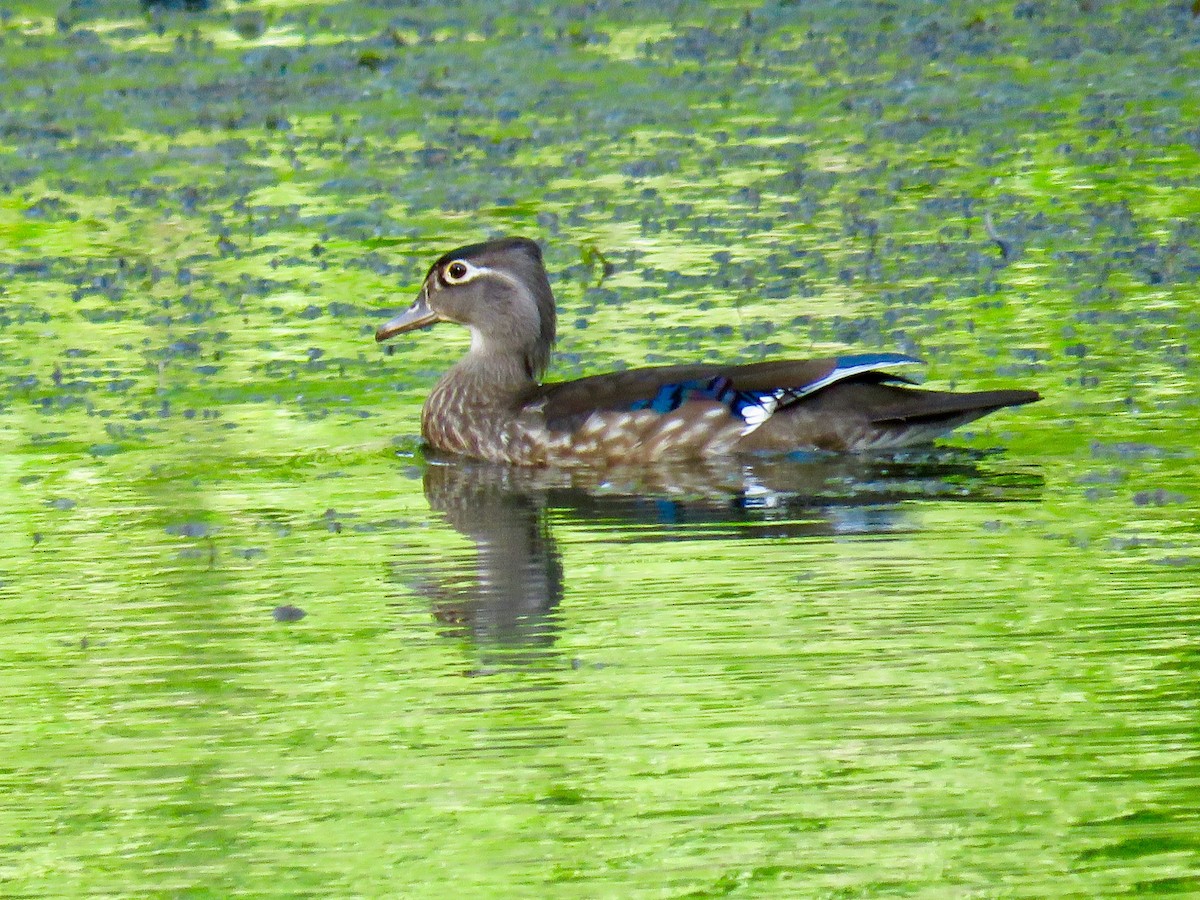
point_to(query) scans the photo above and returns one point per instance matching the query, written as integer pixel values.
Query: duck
(492, 404)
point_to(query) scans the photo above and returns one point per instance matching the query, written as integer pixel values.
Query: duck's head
(497, 289)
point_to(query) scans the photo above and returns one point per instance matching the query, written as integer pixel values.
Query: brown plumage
(490, 404)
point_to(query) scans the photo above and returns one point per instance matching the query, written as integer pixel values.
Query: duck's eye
(456, 272)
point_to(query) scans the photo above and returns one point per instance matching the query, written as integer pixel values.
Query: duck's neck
(485, 378)
(472, 403)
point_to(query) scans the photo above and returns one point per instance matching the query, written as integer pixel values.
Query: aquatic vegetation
(238, 602)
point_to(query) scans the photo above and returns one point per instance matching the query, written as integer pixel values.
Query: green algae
(204, 216)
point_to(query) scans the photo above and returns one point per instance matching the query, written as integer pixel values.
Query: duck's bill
(419, 315)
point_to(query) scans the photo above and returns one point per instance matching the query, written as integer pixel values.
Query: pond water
(255, 641)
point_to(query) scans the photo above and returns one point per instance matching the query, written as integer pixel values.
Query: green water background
(203, 217)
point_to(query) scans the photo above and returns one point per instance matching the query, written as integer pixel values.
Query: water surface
(255, 643)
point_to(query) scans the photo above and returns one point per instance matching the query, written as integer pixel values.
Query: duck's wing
(752, 393)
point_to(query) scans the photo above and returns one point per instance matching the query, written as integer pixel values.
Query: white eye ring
(459, 271)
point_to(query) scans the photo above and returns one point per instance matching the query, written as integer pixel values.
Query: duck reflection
(503, 595)
(516, 576)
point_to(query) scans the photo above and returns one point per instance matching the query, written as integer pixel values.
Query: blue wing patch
(752, 407)
(673, 396)
(755, 407)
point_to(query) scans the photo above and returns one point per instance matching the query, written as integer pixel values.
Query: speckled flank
(692, 431)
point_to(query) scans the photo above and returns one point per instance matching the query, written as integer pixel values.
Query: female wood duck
(490, 405)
